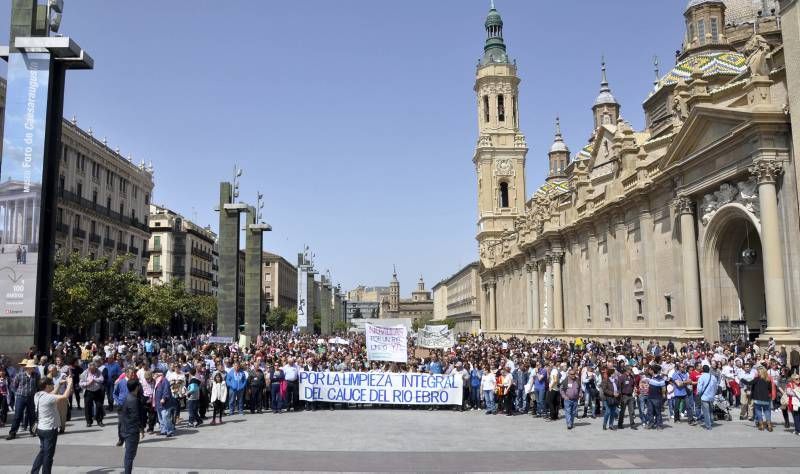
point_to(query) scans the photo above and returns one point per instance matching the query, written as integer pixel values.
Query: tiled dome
(725, 63)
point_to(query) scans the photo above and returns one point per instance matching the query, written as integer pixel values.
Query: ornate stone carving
(504, 167)
(484, 140)
(743, 192)
(519, 141)
(757, 50)
(766, 171)
(683, 205)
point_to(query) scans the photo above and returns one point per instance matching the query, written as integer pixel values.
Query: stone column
(691, 273)
(535, 323)
(767, 171)
(547, 322)
(558, 293)
(529, 295)
(492, 322)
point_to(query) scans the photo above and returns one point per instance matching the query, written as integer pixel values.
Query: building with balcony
(280, 282)
(102, 200)
(180, 249)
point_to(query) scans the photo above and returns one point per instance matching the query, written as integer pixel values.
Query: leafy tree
(86, 291)
(451, 323)
(340, 326)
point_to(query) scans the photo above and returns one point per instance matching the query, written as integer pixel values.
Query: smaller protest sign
(436, 337)
(387, 343)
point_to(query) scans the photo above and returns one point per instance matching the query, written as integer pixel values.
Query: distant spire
(655, 69)
(558, 143)
(605, 96)
(491, 4)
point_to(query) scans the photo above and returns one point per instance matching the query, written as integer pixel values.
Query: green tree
(340, 326)
(86, 291)
(158, 303)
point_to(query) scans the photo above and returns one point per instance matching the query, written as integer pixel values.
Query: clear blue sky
(355, 118)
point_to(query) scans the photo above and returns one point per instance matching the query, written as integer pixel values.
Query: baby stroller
(722, 409)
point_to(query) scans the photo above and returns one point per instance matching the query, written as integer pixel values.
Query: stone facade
(280, 282)
(459, 298)
(418, 308)
(684, 229)
(180, 249)
(103, 200)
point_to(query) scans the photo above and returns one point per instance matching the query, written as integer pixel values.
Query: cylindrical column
(547, 322)
(767, 172)
(536, 304)
(492, 306)
(529, 295)
(691, 273)
(558, 294)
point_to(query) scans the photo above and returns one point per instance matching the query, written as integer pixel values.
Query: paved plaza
(370, 440)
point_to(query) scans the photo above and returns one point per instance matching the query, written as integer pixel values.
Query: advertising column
(21, 177)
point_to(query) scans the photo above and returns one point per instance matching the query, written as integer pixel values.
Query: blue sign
(21, 181)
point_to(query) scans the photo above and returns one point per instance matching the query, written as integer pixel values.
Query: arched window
(501, 108)
(503, 194)
(486, 108)
(638, 297)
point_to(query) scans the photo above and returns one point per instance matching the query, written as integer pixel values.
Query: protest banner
(387, 343)
(220, 339)
(381, 388)
(436, 337)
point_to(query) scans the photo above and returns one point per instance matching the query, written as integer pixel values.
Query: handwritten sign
(387, 343)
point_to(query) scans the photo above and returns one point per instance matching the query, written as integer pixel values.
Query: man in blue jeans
(570, 393)
(655, 398)
(707, 388)
(236, 380)
(540, 388)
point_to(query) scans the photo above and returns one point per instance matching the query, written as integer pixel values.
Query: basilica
(683, 230)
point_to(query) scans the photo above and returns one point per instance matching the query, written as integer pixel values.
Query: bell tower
(500, 154)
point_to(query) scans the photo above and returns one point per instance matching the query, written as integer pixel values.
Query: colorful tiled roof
(585, 153)
(554, 187)
(718, 63)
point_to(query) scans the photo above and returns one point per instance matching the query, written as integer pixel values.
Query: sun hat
(29, 364)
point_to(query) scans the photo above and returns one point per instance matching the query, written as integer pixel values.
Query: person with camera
(46, 402)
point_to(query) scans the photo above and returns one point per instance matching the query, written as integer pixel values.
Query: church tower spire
(494, 51)
(606, 108)
(500, 154)
(558, 155)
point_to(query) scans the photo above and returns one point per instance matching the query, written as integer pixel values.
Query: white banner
(381, 388)
(436, 337)
(388, 343)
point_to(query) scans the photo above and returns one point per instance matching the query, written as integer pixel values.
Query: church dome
(493, 18)
(714, 63)
(746, 11)
(605, 97)
(695, 3)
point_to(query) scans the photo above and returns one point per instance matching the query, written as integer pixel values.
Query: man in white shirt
(45, 402)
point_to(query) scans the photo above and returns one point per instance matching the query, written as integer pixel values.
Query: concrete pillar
(253, 266)
(691, 273)
(767, 171)
(228, 294)
(558, 293)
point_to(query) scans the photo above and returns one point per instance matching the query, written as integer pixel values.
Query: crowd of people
(159, 385)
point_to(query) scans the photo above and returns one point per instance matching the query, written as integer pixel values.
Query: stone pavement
(370, 440)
